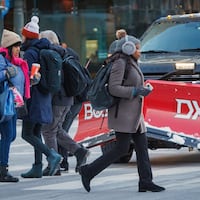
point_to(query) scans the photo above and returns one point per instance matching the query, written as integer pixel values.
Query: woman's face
(137, 53)
(16, 51)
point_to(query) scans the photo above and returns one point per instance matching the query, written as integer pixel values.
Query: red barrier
(174, 105)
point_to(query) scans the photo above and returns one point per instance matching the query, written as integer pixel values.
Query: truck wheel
(124, 159)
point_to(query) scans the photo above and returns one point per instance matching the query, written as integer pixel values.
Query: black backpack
(77, 79)
(98, 94)
(51, 66)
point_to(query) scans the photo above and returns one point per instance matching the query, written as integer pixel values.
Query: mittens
(11, 71)
(142, 91)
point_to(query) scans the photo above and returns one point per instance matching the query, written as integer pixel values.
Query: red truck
(170, 62)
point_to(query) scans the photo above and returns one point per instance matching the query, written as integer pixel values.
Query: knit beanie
(51, 36)
(120, 33)
(123, 40)
(112, 47)
(31, 29)
(9, 38)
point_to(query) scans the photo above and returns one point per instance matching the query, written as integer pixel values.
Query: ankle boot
(34, 172)
(81, 157)
(53, 161)
(5, 176)
(152, 187)
(47, 169)
(64, 165)
(85, 179)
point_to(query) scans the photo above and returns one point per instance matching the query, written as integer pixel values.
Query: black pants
(31, 132)
(120, 149)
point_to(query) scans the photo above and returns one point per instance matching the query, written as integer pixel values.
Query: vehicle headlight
(185, 66)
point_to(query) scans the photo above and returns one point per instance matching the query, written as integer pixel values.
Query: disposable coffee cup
(34, 69)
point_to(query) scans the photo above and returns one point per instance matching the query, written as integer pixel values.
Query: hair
(51, 36)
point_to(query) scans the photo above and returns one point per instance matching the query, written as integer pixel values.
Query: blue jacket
(39, 105)
(17, 81)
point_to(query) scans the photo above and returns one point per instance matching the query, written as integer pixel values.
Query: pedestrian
(54, 133)
(129, 123)
(71, 115)
(39, 106)
(17, 74)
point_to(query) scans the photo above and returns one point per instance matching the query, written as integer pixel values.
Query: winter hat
(9, 38)
(112, 47)
(31, 29)
(51, 36)
(127, 44)
(120, 33)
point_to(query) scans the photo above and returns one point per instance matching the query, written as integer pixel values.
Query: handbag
(7, 106)
(19, 102)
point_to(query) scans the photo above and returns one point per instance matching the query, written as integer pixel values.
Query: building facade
(89, 26)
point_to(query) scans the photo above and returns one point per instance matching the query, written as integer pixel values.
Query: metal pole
(18, 16)
(1, 18)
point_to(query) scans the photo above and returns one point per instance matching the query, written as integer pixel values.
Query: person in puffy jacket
(17, 73)
(129, 122)
(39, 105)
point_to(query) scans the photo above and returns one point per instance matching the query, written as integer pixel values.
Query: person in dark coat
(54, 133)
(39, 105)
(129, 123)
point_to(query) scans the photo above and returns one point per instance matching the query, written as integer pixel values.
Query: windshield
(171, 37)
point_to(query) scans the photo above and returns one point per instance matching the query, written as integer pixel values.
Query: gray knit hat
(128, 38)
(9, 38)
(50, 35)
(112, 47)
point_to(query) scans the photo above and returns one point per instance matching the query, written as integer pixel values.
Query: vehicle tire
(124, 159)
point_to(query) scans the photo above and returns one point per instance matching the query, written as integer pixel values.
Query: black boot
(85, 177)
(152, 187)
(64, 165)
(81, 157)
(5, 176)
(47, 170)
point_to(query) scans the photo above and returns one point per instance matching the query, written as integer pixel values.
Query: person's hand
(36, 79)
(141, 91)
(11, 71)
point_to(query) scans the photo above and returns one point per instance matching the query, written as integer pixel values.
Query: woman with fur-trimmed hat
(18, 74)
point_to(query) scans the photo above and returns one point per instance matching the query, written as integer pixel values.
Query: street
(177, 170)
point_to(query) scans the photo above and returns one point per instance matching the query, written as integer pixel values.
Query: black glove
(11, 72)
(142, 91)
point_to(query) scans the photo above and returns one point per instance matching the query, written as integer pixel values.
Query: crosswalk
(178, 171)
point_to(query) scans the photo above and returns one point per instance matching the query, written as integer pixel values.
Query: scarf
(25, 69)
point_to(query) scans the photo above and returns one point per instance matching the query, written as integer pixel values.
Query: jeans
(54, 133)
(31, 132)
(8, 135)
(71, 115)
